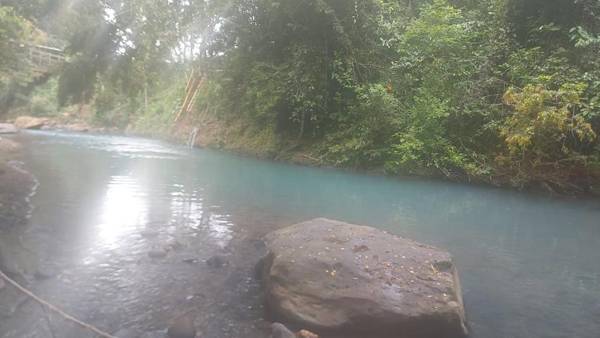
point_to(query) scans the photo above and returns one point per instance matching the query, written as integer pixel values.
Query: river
(529, 265)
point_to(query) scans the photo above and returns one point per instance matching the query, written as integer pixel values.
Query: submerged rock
(149, 233)
(157, 253)
(182, 327)
(340, 278)
(173, 244)
(217, 261)
(128, 333)
(8, 128)
(30, 122)
(279, 330)
(153, 334)
(190, 260)
(43, 273)
(16, 185)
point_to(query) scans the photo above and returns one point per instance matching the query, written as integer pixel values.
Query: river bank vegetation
(497, 91)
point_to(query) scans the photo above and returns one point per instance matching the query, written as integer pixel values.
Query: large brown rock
(30, 122)
(339, 278)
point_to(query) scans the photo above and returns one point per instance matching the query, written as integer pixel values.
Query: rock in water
(279, 330)
(157, 253)
(128, 333)
(217, 261)
(16, 185)
(7, 128)
(30, 122)
(306, 334)
(182, 327)
(353, 280)
(44, 272)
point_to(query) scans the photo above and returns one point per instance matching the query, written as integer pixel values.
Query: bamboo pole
(194, 83)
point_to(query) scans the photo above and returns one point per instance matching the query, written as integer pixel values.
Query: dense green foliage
(13, 28)
(498, 91)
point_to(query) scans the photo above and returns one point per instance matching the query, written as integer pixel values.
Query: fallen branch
(55, 309)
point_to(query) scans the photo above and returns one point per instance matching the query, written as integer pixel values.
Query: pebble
(44, 272)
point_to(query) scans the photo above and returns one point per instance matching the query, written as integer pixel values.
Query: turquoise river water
(529, 265)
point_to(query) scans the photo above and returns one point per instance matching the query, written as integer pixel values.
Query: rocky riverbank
(233, 136)
(51, 123)
(237, 137)
(16, 187)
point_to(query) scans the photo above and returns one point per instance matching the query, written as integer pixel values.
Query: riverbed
(122, 228)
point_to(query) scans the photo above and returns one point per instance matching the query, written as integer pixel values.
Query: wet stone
(45, 272)
(190, 260)
(217, 261)
(279, 330)
(128, 333)
(361, 282)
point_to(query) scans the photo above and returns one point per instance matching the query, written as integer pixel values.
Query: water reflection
(188, 210)
(124, 207)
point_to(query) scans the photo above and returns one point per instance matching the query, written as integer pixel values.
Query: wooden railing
(41, 59)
